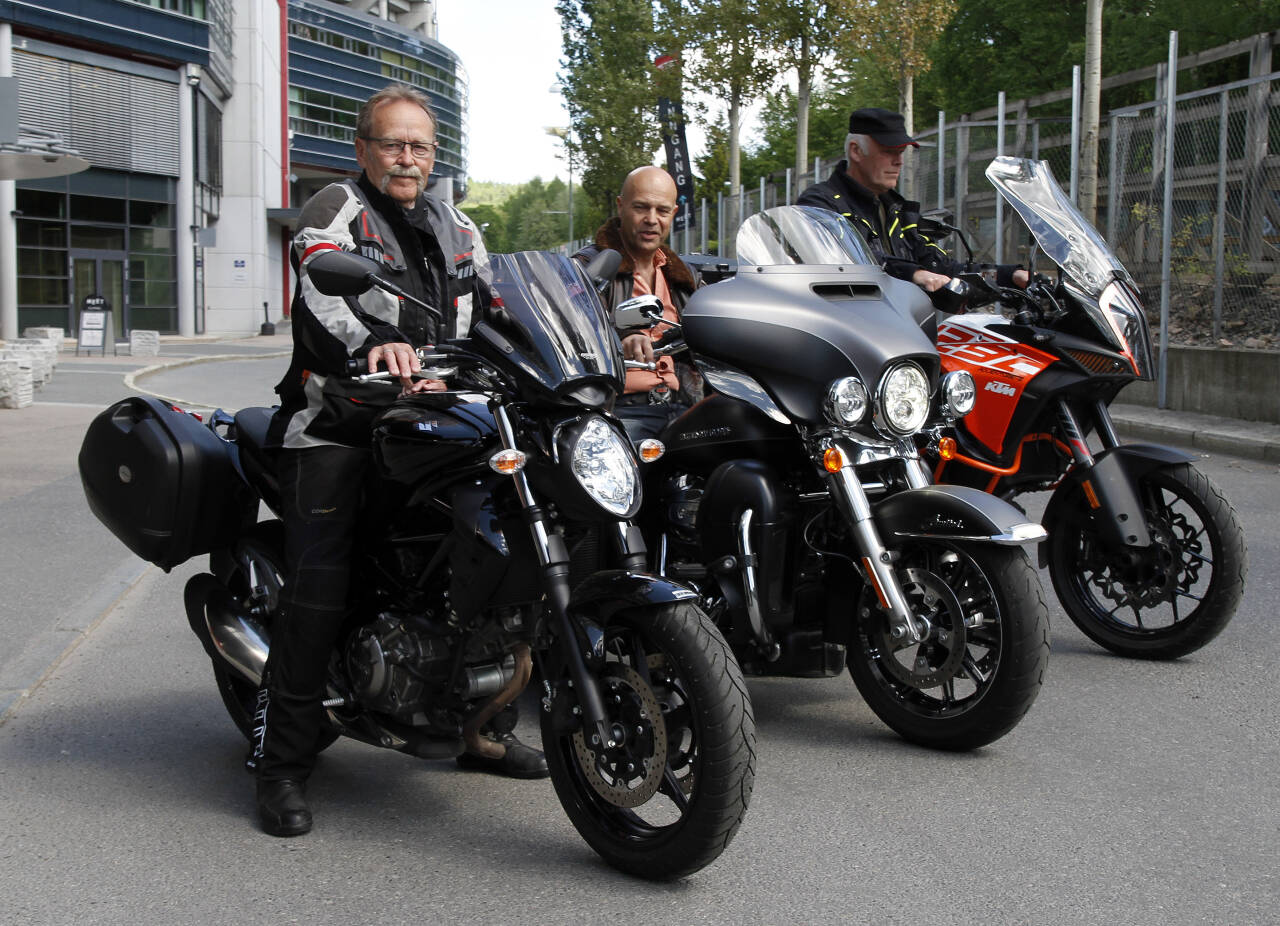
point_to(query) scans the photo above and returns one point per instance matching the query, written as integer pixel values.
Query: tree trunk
(804, 89)
(735, 159)
(906, 105)
(1090, 112)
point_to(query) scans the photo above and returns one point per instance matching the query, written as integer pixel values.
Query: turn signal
(833, 460)
(947, 448)
(651, 449)
(507, 462)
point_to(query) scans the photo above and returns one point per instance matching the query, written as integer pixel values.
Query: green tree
(805, 40)
(732, 56)
(611, 89)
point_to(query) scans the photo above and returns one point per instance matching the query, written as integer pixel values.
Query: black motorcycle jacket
(432, 251)
(894, 234)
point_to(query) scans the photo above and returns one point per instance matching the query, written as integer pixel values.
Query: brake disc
(635, 713)
(938, 657)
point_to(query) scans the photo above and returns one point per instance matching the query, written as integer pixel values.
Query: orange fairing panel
(1001, 368)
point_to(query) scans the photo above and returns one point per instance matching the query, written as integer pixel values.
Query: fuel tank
(423, 435)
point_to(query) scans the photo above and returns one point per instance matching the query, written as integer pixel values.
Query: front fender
(950, 512)
(602, 595)
(1114, 479)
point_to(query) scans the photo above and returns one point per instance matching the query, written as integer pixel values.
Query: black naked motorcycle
(795, 501)
(507, 499)
(1146, 554)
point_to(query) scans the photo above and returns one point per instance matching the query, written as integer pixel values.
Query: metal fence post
(1000, 199)
(942, 151)
(1166, 244)
(1113, 187)
(1220, 219)
(788, 198)
(702, 235)
(1075, 133)
(720, 224)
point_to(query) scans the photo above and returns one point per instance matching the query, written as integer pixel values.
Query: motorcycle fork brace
(553, 559)
(1107, 486)
(877, 561)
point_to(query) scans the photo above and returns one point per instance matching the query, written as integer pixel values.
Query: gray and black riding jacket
(431, 251)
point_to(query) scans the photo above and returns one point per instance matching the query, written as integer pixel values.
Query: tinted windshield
(550, 319)
(800, 235)
(1064, 236)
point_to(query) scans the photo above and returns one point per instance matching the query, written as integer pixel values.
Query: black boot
(282, 807)
(519, 761)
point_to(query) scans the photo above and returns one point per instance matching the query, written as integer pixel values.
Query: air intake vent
(841, 292)
(1099, 363)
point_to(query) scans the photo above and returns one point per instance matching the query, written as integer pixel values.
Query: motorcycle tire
(1199, 558)
(980, 666)
(665, 802)
(239, 695)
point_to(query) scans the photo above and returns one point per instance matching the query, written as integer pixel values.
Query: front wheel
(981, 662)
(1169, 599)
(668, 794)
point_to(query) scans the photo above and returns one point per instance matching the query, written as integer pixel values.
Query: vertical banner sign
(671, 117)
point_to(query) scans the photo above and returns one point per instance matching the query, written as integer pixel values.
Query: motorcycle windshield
(1059, 228)
(787, 235)
(548, 321)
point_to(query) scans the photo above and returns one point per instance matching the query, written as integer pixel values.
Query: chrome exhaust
(226, 628)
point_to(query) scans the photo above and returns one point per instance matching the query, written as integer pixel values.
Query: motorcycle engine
(389, 661)
(681, 497)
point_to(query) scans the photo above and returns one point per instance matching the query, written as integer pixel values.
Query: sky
(511, 50)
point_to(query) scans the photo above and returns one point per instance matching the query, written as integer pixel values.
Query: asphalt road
(1131, 793)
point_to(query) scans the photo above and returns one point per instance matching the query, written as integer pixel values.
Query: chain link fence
(1224, 229)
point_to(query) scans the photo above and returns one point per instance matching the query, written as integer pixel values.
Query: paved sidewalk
(1256, 440)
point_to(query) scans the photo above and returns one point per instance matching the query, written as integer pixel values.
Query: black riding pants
(322, 491)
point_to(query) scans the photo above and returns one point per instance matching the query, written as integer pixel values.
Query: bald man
(639, 231)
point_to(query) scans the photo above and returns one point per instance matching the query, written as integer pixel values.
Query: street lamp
(562, 133)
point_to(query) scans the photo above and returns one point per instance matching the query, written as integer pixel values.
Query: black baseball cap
(884, 125)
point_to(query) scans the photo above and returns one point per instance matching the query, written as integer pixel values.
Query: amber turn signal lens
(833, 460)
(507, 461)
(651, 449)
(947, 448)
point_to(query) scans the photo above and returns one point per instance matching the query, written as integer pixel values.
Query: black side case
(161, 481)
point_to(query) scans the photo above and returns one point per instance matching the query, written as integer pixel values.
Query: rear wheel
(668, 795)
(1168, 600)
(981, 662)
(257, 594)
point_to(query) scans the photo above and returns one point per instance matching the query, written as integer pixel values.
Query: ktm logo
(1001, 388)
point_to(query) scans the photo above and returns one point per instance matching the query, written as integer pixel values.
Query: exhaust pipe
(225, 628)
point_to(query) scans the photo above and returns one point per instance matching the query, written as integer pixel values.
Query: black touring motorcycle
(795, 501)
(508, 557)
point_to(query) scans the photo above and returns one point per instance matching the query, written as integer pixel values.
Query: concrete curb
(1255, 440)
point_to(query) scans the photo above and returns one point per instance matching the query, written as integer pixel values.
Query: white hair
(857, 138)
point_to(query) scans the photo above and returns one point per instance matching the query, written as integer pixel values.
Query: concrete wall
(1217, 381)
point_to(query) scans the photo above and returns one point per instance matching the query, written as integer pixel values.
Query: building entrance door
(99, 273)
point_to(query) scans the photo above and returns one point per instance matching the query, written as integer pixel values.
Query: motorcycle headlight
(603, 465)
(959, 394)
(1128, 324)
(847, 402)
(903, 398)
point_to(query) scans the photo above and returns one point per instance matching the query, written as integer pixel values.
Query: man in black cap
(861, 189)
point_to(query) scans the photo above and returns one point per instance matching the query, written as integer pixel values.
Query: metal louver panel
(116, 120)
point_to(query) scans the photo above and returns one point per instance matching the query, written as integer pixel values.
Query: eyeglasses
(392, 147)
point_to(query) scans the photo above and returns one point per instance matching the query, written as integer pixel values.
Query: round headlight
(904, 398)
(847, 402)
(603, 465)
(959, 394)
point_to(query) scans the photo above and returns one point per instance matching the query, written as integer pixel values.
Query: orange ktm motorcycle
(1146, 554)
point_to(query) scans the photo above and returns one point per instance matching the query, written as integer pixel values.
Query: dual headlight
(902, 399)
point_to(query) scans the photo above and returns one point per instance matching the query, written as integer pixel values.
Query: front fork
(877, 560)
(553, 559)
(1107, 488)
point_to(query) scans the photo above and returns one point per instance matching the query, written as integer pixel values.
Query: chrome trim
(1019, 534)
(751, 594)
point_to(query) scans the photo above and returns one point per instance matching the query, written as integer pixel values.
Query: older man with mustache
(433, 252)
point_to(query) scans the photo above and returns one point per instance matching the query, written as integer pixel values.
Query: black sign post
(96, 326)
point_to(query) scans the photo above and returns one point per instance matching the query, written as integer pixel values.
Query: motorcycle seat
(256, 460)
(251, 428)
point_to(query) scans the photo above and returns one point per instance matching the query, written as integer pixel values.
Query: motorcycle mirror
(341, 273)
(637, 312)
(952, 297)
(603, 268)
